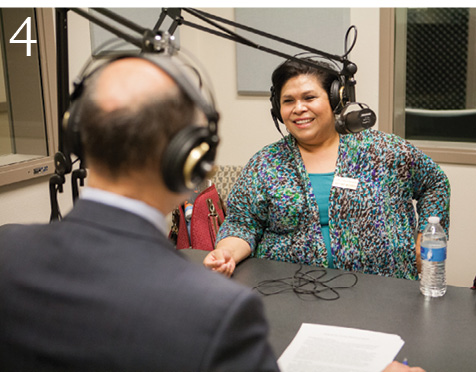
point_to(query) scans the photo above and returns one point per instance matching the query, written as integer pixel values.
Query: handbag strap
(214, 221)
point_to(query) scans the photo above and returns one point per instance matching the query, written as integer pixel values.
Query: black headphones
(189, 157)
(351, 117)
(338, 98)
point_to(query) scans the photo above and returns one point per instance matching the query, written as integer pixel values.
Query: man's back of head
(129, 112)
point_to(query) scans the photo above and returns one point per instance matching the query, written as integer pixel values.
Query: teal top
(321, 185)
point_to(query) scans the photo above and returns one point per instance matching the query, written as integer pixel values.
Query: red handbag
(207, 216)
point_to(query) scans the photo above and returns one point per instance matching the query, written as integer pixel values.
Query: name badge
(345, 183)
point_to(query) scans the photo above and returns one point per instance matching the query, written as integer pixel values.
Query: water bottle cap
(434, 219)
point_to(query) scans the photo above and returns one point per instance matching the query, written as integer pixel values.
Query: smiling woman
(324, 199)
(27, 83)
(309, 118)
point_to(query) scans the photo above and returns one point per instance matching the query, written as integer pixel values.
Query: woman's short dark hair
(292, 68)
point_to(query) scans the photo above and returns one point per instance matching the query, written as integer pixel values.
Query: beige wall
(461, 263)
(246, 126)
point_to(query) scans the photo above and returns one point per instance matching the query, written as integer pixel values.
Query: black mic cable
(308, 285)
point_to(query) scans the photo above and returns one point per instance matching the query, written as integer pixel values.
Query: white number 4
(28, 40)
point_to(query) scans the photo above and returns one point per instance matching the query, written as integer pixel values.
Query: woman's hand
(220, 260)
(418, 252)
(399, 367)
(228, 253)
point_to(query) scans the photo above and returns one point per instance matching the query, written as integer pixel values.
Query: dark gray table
(439, 333)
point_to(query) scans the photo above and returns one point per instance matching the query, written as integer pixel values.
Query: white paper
(326, 348)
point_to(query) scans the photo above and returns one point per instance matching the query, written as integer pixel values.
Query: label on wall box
(437, 254)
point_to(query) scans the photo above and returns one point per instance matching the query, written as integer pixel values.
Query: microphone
(355, 121)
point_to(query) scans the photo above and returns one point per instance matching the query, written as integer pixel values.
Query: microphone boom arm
(348, 70)
(204, 15)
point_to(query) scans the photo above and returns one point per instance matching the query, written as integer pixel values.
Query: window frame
(36, 168)
(392, 104)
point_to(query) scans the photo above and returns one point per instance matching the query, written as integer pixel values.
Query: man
(104, 290)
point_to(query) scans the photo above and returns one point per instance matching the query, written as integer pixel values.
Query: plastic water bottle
(433, 259)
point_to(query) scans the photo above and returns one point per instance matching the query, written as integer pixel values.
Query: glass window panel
(23, 114)
(28, 113)
(439, 83)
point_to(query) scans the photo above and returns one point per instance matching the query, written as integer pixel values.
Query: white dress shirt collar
(137, 207)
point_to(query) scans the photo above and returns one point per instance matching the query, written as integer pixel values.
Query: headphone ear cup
(337, 102)
(275, 106)
(71, 131)
(188, 159)
(71, 124)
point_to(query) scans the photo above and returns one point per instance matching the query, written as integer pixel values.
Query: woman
(324, 199)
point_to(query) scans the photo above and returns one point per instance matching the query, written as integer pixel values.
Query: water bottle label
(433, 254)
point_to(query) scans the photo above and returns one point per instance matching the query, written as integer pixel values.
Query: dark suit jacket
(104, 290)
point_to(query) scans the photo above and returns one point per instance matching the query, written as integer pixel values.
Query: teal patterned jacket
(372, 228)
